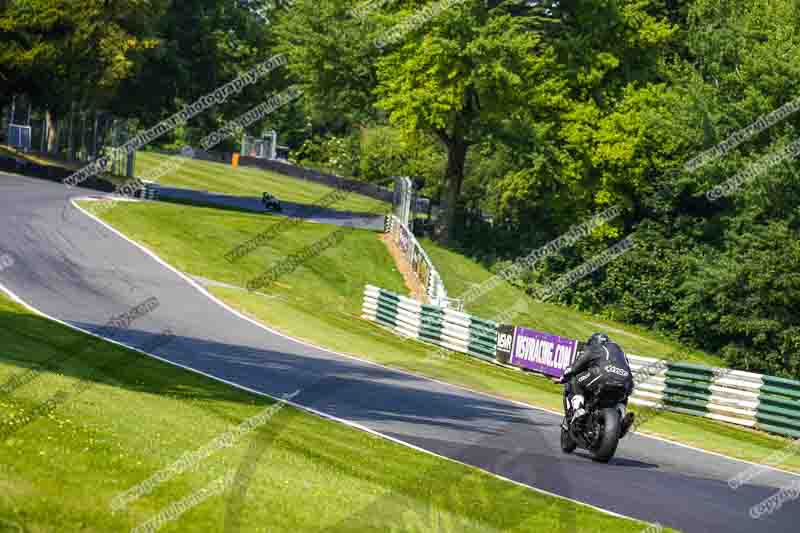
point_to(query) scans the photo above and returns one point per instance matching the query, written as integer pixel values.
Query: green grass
(60, 472)
(49, 161)
(221, 178)
(333, 280)
(320, 302)
(41, 159)
(459, 274)
(248, 181)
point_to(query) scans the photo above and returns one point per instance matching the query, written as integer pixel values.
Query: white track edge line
(311, 410)
(219, 302)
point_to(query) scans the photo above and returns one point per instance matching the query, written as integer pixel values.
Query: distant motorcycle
(270, 202)
(600, 429)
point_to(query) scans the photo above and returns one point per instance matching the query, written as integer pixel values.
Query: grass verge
(320, 302)
(220, 178)
(40, 159)
(60, 471)
(460, 273)
(248, 181)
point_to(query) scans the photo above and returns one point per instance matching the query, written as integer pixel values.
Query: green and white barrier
(778, 408)
(734, 396)
(450, 329)
(149, 191)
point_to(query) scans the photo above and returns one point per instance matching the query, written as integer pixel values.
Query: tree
(332, 57)
(469, 71)
(203, 44)
(65, 52)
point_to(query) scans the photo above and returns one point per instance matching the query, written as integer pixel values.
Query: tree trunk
(52, 132)
(454, 177)
(70, 137)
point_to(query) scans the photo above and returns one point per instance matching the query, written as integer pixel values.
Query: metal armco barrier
(419, 261)
(450, 329)
(734, 396)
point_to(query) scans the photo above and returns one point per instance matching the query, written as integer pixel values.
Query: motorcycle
(270, 203)
(600, 429)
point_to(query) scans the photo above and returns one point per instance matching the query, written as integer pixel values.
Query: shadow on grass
(367, 393)
(496, 436)
(250, 205)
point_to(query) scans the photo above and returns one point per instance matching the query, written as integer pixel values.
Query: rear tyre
(568, 445)
(609, 439)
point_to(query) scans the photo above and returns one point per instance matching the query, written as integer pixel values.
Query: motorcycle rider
(602, 360)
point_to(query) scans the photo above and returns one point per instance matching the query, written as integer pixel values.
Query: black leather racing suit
(597, 364)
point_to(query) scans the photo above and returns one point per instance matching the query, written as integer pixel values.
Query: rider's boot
(627, 422)
(577, 408)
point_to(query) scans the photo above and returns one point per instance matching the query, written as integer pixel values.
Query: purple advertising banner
(542, 352)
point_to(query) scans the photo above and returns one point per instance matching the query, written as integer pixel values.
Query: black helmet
(598, 338)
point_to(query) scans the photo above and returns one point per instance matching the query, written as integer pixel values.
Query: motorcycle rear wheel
(609, 437)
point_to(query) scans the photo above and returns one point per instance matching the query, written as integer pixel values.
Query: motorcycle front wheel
(609, 435)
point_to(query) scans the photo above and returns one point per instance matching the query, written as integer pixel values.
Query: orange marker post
(235, 161)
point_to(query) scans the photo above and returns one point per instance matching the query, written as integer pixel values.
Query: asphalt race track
(72, 268)
(321, 215)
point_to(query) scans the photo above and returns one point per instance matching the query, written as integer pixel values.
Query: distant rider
(601, 361)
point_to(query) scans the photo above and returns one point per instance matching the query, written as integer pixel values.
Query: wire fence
(81, 135)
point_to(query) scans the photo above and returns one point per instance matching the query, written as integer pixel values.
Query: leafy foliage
(522, 118)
